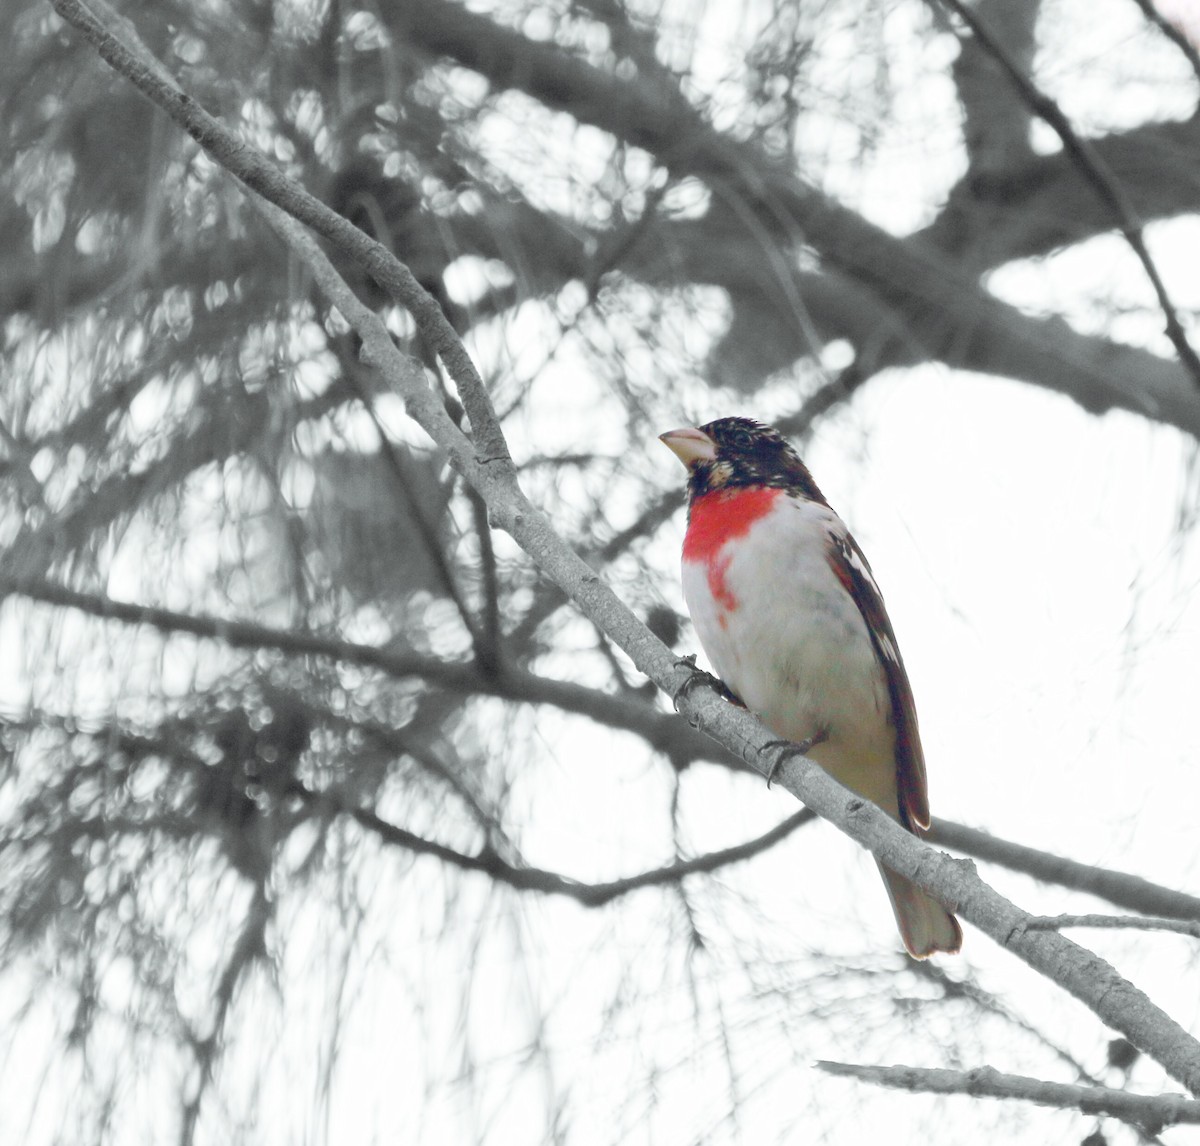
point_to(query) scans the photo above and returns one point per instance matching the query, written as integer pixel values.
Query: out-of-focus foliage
(631, 212)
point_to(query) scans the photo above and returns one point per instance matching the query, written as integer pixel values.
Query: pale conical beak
(689, 445)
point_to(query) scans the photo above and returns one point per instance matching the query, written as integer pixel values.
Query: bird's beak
(690, 446)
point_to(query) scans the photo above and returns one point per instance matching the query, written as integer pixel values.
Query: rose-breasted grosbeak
(786, 607)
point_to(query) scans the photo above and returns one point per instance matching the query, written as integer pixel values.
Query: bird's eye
(741, 440)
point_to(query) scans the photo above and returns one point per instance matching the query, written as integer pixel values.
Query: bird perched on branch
(788, 612)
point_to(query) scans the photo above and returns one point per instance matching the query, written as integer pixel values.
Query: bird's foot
(698, 676)
(791, 748)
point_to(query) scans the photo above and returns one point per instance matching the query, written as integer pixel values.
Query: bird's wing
(853, 571)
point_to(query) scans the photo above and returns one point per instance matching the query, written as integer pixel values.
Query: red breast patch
(716, 519)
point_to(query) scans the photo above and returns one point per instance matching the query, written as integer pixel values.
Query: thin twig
(1093, 168)
(1117, 922)
(1143, 1110)
(1172, 33)
(426, 529)
(988, 1003)
(489, 862)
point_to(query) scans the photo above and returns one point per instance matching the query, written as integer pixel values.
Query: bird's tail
(925, 925)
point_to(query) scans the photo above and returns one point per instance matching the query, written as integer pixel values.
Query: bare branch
(1106, 187)
(425, 527)
(489, 862)
(1119, 888)
(1151, 1112)
(986, 1002)
(1040, 203)
(681, 744)
(956, 883)
(219, 434)
(995, 120)
(1131, 922)
(662, 732)
(249, 947)
(1172, 33)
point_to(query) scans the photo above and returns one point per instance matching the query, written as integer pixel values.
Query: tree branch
(1149, 1112)
(219, 434)
(662, 732)
(488, 861)
(488, 649)
(1117, 922)
(425, 528)
(996, 122)
(988, 1003)
(1101, 179)
(1039, 203)
(1118, 887)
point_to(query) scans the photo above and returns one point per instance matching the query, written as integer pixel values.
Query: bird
(789, 615)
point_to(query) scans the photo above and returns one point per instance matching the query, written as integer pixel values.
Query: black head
(732, 453)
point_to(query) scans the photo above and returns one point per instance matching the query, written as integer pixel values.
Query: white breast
(784, 634)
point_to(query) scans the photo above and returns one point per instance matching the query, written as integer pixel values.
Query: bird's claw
(698, 676)
(789, 748)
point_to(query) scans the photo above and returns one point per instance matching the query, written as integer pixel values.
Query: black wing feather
(854, 572)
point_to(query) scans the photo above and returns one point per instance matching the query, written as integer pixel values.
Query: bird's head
(739, 453)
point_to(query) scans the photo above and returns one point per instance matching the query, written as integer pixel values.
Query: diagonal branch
(1101, 179)
(249, 947)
